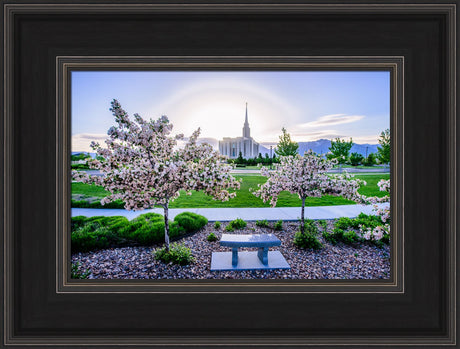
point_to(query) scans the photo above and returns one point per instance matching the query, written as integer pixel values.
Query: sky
(310, 105)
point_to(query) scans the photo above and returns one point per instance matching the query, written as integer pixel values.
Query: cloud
(366, 139)
(333, 119)
(81, 141)
(314, 135)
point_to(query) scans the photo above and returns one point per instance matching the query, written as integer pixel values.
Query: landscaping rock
(360, 261)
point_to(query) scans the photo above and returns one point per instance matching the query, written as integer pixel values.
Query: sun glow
(310, 105)
(220, 111)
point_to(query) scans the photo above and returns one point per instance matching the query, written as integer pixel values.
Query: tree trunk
(302, 217)
(165, 207)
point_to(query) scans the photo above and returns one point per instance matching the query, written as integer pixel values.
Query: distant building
(248, 147)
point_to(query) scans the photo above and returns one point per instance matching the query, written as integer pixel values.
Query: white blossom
(306, 176)
(384, 213)
(142, 166)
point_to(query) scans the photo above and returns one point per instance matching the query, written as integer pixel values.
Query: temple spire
(246, 120)
(246, 130)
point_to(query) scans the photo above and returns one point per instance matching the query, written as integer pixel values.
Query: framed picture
(74, 280)
(247, 209)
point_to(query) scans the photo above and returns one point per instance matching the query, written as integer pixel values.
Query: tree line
(340, 150)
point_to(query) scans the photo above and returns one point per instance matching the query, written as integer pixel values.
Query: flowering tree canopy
(143, 166)
(380, 231)
(306, 176)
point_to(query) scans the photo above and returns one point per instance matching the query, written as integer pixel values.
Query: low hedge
(97, 204)
(91, 233)
(345, 230)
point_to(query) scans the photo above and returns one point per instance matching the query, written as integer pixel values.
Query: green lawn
(361, 166)
(250, 167)
(245, 198)
(88, 190)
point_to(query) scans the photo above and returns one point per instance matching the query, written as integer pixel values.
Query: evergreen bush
(98, 232)
(177, 254)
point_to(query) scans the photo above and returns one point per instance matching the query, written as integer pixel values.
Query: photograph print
(230, 175)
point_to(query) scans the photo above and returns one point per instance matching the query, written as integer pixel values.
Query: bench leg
(234, 256)
(263, 255)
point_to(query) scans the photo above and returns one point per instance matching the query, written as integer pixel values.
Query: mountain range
(320, 146)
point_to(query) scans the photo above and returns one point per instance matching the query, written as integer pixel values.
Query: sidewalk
(248, 214)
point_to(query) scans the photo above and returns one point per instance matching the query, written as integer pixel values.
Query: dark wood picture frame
(43, 307)
(67, 65)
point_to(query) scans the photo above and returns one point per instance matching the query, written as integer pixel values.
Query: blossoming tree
(306, 176)
(143, 166)
(380, 231)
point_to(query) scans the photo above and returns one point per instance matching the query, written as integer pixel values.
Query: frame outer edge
(394, 64)
(9, 152)
(452, 159)
(8, 180)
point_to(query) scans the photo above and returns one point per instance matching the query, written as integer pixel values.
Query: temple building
(246, 144)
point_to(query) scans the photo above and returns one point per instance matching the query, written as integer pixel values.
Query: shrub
(322, 223)
(343, 223)
(92, 236)
(385, 239)
(278, 225)
(190, 221)
(77, 222)
(113, 223)
(307, 221)
(89, 233)
(350, 237)
(75, 272)
(97, 204)
(80, 167)
(363, 222)
(145, 229)
(311, 227)
(177, 254)
(212, 237)
(262, 224)
(309, 238)
(217, 225)
(338, 233)
(235, 224)
(149, 228)
(333, 237)
(150, 216)
(329, 237)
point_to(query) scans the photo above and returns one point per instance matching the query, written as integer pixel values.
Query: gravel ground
(362, 261)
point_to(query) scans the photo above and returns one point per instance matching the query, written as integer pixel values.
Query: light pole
(271, 157)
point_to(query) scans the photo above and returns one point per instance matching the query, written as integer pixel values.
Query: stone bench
(262, 259)
(260, 241)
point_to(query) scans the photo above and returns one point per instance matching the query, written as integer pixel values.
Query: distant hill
(320, 146)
